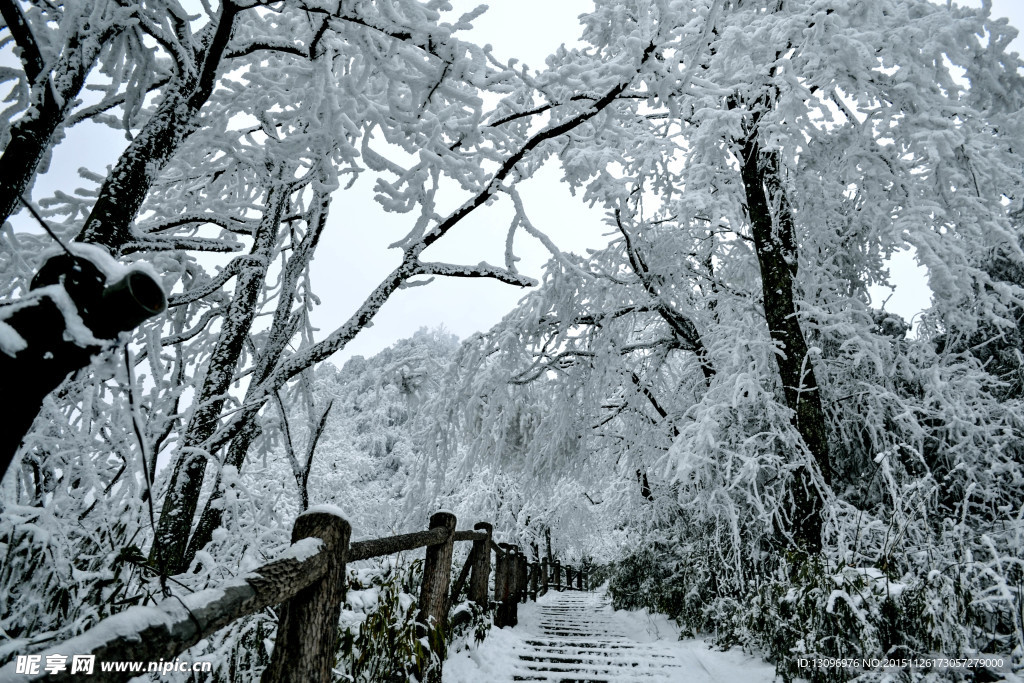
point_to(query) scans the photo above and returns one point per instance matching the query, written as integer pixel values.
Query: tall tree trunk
(777, 253)
(281, 331)
(182, 497)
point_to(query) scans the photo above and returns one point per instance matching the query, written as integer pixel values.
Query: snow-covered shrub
(794, 609)
(466, 620)
(380, 640)
(70, 527)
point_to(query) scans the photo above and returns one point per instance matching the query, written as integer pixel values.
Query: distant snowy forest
(712, 412)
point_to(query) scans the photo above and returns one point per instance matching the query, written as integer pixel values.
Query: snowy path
(577, 637)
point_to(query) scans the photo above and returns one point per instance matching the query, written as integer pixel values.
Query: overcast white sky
(353, 255)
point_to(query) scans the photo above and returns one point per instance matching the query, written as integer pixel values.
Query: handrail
(308, 582)
(389, 545)
(175, 624)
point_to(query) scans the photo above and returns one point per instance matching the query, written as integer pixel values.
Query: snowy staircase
(580, 642)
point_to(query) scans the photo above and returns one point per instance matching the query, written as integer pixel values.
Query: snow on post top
(330, 510)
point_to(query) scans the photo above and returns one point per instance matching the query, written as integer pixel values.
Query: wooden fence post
(544, 576)
(481, 566)
(568, 576)
(558, 575)
(579, 580)
(524, 577)
(307, 630)
(534, 580)
(516, 571)
(504, 589)
(437, 575)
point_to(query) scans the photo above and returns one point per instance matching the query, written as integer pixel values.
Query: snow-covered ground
(578, 636)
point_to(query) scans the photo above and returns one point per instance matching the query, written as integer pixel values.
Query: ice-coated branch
(482, 269)
(235, 225)
(321, 350)
(126, 187)
(684, 328)
(182, 57)
(411, 266)
(289, 48)
(189, 334)
(216, 283)
(568, 357)
(508, 118)
(524, 221)
(549, 133)
(179, 244)
(32, 135)
(596, 319)
(109, 103)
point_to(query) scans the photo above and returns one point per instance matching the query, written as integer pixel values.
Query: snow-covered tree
(764, 165)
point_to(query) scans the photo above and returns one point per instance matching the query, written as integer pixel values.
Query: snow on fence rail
(308, 581)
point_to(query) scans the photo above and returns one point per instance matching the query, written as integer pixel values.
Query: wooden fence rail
(308, 582)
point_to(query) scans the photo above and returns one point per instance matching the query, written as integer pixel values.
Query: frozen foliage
(761, 168)
(713, 403)
(244, 124)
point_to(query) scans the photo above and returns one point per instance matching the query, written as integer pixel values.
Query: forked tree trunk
(182, 497)
(281, 331)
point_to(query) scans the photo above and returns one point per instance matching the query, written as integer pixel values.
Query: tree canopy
(714, 404)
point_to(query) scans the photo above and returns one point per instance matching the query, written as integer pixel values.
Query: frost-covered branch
(110, 102)
(125, 188)
(411, 265)
(229, 223)
(683, 327)
(179, 244)
(284, 48)
(230, 270)
(482, 269)
(204, 320)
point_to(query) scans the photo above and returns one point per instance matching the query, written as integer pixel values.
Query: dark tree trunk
(777, 253)
(278, 338)
(170, 546)
(212, 517)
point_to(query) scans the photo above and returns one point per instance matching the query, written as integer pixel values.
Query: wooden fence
(308, 582)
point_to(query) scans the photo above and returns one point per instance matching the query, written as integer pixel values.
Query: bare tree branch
(287, 48)
(235, 225)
